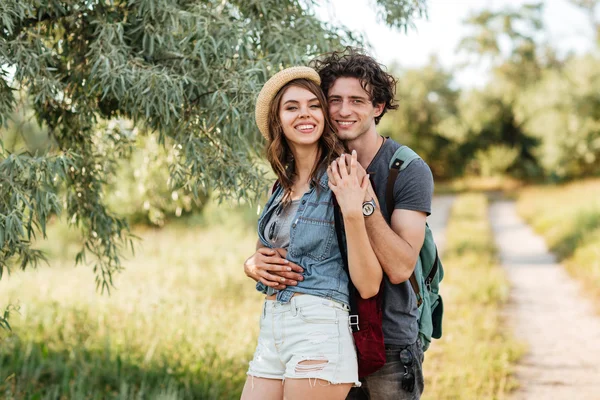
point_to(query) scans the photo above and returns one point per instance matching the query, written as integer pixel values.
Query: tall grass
(475, 357)
(183, 319)
(568, 217)
(181, 323)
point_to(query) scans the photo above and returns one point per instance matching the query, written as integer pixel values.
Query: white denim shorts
(308, 328)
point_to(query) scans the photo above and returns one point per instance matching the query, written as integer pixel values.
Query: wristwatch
(368, 207)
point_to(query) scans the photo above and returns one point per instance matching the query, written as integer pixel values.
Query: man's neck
(366, 146)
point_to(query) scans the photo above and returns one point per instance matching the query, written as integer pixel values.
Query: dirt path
(549, 313)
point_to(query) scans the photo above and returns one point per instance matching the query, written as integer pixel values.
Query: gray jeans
(386, 384)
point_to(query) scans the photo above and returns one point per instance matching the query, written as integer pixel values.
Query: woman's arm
(365, 270)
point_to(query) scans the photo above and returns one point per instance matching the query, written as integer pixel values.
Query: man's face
(351, 109)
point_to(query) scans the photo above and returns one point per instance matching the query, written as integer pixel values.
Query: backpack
(428, 272)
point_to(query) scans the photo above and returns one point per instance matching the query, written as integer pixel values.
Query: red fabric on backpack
(368, 339)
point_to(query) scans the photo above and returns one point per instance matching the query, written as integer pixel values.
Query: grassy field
(471, 184)
(181, 324)
(183, 319)
(475, 356)
(568, 217)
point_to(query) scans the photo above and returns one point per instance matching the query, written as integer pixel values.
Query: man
(359, 93)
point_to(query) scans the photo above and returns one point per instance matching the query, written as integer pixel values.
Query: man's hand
(270, 267)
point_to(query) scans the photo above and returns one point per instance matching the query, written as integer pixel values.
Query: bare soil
(550, 312)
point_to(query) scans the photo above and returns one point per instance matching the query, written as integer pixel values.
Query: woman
(305, 347)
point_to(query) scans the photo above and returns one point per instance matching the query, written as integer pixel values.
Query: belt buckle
(354, 322)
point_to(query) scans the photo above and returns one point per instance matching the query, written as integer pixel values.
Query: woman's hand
(360, 172)
(350, 190)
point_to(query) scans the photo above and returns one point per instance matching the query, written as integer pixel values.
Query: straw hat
(270, 89)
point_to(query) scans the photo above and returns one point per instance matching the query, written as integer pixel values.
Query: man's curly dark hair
(354, 63)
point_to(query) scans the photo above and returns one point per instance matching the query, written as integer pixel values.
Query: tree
(486, 126)
(590, 7)
(518, 28)
(426, 100)
(180, 69)
(563, 111)
(488, 119)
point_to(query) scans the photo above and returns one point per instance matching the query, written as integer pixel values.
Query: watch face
(368, 209)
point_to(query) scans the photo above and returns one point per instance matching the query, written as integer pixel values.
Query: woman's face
(301, 116)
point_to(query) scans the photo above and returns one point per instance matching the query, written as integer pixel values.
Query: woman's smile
(306, 128)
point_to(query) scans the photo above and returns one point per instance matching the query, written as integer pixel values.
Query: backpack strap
(415, 286)
(433, 271)
(400, 160)
(389, 189)
(337, 213)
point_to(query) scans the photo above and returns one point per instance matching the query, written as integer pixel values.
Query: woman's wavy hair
(353, 63)
(278, 150)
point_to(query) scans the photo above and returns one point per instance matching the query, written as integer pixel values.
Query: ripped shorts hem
(265, 376)
(309, 378)
(314, 378)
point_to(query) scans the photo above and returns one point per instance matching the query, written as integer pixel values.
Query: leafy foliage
(538, 117)
(563, 110)
(591, 8)
(141, 190)
(6, 315)
(426, 101)
(400, 13)
(185, 71)
(496, 160)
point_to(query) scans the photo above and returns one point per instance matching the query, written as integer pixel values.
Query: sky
(568, 30)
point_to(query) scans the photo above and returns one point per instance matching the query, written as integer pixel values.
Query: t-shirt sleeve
(413, 189)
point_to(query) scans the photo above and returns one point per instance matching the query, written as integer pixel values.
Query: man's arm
(270, 267)
(398, 247)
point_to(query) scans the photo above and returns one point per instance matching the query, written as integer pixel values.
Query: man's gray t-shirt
(413, 190)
